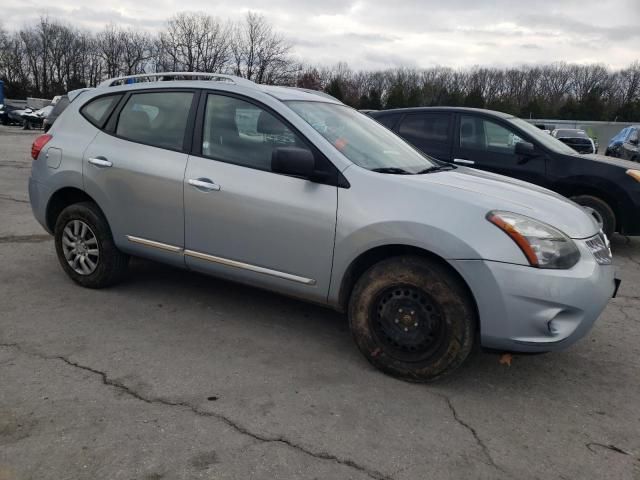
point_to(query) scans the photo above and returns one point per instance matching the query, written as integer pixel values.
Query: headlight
(635, 174)
(543, 245)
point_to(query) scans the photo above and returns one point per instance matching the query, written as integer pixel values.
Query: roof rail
(164, 76)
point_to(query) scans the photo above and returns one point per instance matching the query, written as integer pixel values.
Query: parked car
(11, 115)
(6, 115)
(60, 105)
(35, 118)
(576, 139)
(500, 143)
(625, 144)
(295, 192)
(58, 108)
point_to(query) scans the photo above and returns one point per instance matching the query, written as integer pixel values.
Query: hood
(626, 164)
(497, 192)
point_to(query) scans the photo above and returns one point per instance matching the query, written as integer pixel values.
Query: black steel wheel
(413, 317)
(408, 322)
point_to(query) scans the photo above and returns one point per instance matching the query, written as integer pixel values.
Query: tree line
(50, 57)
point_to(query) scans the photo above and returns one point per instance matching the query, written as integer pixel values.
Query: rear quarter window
(98, 110)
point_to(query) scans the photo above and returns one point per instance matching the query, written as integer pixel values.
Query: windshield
(542, 137)
(361, 139)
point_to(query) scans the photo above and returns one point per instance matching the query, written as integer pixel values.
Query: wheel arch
(583, 186)
(376, 254)
(61, 199)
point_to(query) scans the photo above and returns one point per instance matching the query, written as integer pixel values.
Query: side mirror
(298, 162)
(633, 139)
(525, 149)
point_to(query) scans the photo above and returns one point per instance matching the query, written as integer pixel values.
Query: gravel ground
(175, 375)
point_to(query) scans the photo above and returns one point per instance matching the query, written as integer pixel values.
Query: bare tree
(49, 57)
(194, 42)
(259, 53)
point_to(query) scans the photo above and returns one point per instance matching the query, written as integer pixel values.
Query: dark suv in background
(608, 188)
(625, 144)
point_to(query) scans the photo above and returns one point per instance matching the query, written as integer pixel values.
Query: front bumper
(528, 309)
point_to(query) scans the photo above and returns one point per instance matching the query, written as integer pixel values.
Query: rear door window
(426, 127)
(389, 121)
(156, 118)
(430, 132)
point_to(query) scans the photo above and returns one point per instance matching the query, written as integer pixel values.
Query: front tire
(85, 247)
(600, 211)
(412, 318)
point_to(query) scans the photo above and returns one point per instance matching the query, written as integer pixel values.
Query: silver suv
(292, 191)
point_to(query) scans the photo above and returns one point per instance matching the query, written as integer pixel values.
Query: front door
(491, 145)
(246, 223)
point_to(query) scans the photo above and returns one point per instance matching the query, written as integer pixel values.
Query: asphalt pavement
(174, 375)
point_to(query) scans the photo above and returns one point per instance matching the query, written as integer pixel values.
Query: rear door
(490, 144)
(245, 222)
(135, 170)
(430, 132)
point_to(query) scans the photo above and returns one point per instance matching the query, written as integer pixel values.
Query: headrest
(466, 130)
(270, 125)
(134, 120)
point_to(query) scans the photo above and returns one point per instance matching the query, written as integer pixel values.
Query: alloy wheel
(80, 247)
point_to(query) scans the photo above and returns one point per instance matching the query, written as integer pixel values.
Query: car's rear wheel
(412, 318)
(601, 212)
(85, 247)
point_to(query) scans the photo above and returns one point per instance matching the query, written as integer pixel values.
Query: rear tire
(412, 318)
(85, 247)
(600, 210)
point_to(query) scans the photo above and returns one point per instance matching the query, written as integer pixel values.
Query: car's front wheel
(85, 247)
(601, 212)
(412, 318)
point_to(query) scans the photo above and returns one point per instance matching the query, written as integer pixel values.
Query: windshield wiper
(393, 170)
(436, 168)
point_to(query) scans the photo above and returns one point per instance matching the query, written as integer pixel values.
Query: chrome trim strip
(151, 243)
(252, 268)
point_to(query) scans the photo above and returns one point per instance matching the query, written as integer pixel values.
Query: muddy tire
(412, 318)
(85, 247)
(600, 210)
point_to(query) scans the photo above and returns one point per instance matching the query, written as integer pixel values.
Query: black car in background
(625, 144)
(576, 139)
(58, 108)
(10, 115)
(497, 142)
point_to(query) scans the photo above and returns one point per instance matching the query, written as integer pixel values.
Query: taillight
(38, 145)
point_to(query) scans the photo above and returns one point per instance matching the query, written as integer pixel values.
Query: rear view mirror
(298, 162)
(634, 138)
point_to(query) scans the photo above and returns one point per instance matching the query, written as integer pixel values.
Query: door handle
(204, 184)
(464, 161)
(100, 162)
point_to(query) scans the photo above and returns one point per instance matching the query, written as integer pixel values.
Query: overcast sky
(387, 33)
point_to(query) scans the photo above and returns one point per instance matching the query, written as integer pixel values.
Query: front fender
(432, 239)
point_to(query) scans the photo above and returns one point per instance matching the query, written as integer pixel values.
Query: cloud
(383, 34)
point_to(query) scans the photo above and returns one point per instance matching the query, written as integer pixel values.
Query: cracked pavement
(175, 375)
